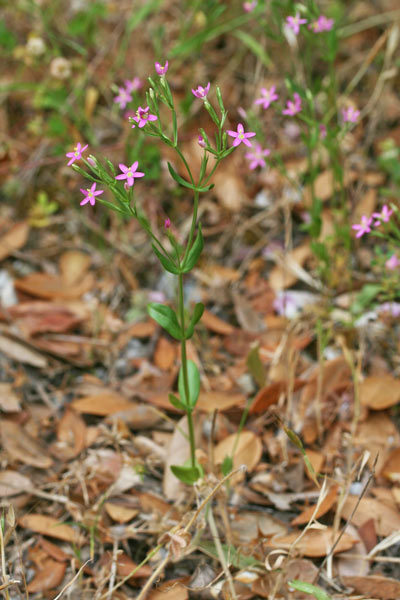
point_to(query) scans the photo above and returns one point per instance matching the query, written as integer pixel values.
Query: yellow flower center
(129, 173)
(241, 136)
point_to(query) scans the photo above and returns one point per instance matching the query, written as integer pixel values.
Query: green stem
(193, 226)
(181, 308)
(183, 159)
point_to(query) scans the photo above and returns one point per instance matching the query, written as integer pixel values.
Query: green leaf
(187, 475)
(8, 41)
(165, 316)
(254, 45)
(197, 314)
(308, 588)
(176, 402)
(193, 384)
(194, 252)
(180, 179)
(227, 465)
(166, 262)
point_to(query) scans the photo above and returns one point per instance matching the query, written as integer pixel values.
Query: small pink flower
(143, 116)
(364, 227)
(201, 92)
(295, 22)
(129, 173)
(133, 85)
(90, 195)
(322, 131)
(91, 161)
(167, 223)
(256, 157)
(384, 216)
(267, 96)
(76, 154)
(240, 136)
(322, 24)
(392, 263)
(201, 141)
(249, 6)
(350, 115)
(161, 70)
(293, 107)
(123, 98)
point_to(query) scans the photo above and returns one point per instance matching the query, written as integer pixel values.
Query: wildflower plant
(174, 256)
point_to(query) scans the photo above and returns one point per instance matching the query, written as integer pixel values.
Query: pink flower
(123, 97)
(256, 157)
(129, 173)
(322, 24)
(161, 70)
(134, 85)
(90, 195)
(350, 115)
(167, 223)
(322, 131)
(201, 92)
(295, 22)
(201, 141)
(143, 116)
(267, 96)
(76, 154)
(293, 107)
(384, 216)
(240, 136)
(249, 6)
(392, 263)
(364, 227)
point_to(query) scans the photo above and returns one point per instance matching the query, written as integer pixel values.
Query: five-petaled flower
(201, 92)
(363, 227)
(256, 157)
(322, 24)
(295, 22)
(129, 173)
(240, 136)
(90, 195)
(123, 97)
(143, 116)
(293, 106)
(392, 263)
(384, 216)
(161, 70)
(133, 85)
(249, 6)
(267, 96)
(350, 115)
(76, 154)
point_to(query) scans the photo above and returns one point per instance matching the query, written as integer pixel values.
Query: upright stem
(181, 308)
(193, 226)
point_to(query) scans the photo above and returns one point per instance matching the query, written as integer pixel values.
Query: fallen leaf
(170, 590)
(386, 519)
(14, 239)
(391, 468)
(38, 317)
(178, 452)
(71, 434)
(107, 403)
(13, 483)
(353, 562)
(324, 507)
(164, 354)
(9, 401)
(315, 542)
(49, 576)
(248, 451)
(125, 566)
(50, 526)
(46, 285)
(53, 550)
(284, 275)
(22, 353)
(73, 266)
(210, 401)
(19, 445)
(119, 512)
(374, 586)
(379, 391)
(270, 394)
(215, 324)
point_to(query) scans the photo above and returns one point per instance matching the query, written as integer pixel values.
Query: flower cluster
(125, 93)
(367, 222)
(321, 25)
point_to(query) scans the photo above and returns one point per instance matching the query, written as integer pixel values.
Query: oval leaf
(187, 475)
(197, 314)
(165, 316)
(193, 383)
(194, 252)
(166, 262)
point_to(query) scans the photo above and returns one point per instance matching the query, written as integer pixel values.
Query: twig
(72, 580)
(153, 577)
(220, 552)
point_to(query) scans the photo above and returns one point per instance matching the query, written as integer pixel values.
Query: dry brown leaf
(125, 565)
(215, 324)
(13, 483)
(210, 401)
(107, 403)
(73, 266)
(248, 451)
(164, 354)
(353, 562)
(379, 391)
(379, 435)
(45, 285)
(285, 275)
(315, 542)
(119, 512)
(230, 189)
(14, 239)
(50, 526)
(53, 551)
(324, 507)
(386, 519)
(71, 434)
(374, 586)
(170, 590)
(391, 468)
(270, 394)
(21, 446)
(178, 452)
(9, 401)
(49, 576)
(38, 317)
(22, 353)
